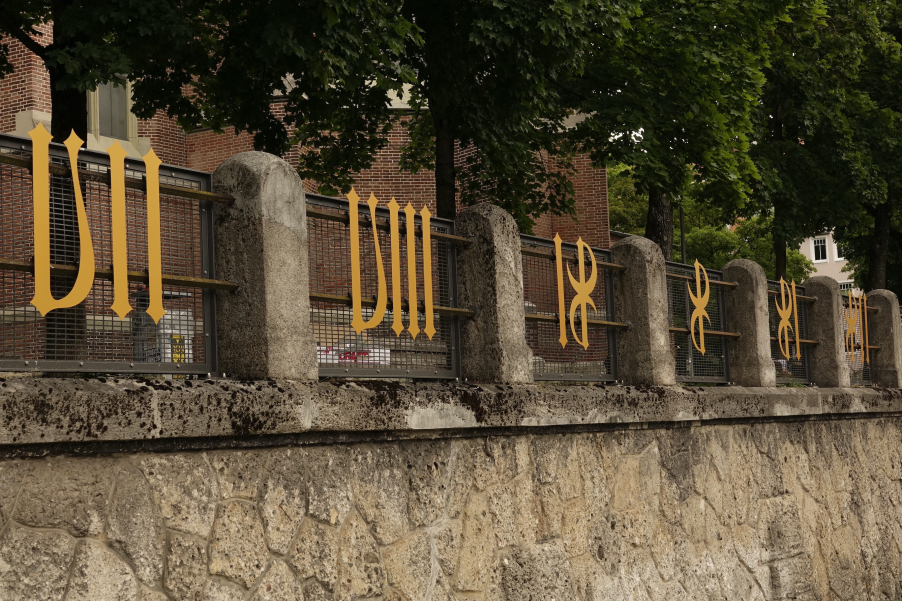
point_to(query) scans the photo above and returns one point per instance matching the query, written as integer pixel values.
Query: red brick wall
(167, 139)
(28, 87)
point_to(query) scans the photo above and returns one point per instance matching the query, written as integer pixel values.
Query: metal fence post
(490, 279)
(826, 325)
(750, 358)
(640, 293)
(261, 244)
(885, 331)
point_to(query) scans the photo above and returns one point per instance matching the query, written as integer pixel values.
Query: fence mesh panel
(572, 362)
(855, 353)
(90, 336)
(691, 365)
(795, 370)
(378, 351)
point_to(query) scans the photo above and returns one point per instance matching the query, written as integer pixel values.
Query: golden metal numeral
(700, 301)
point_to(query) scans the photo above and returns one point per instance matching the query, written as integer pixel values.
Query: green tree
(671, 94)
(216, 63)
(817, 134)
(708, 235)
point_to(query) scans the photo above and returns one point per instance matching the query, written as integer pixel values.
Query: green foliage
(708, 237)
(672, 92)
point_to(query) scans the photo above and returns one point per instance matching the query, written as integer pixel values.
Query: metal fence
(551, 361)
(90, 337)
(796, 369)
(859, 352)
(379, 352)
(692, 365)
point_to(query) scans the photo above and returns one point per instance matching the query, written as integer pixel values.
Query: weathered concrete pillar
(750, 359)
(261, 243)
(490, 279)
(640, 299)
(885, 331)
(827, 325)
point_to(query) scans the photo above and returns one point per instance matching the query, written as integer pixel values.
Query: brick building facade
(25, 100)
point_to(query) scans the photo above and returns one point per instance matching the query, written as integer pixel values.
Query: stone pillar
(644, 356)
(490, 280)
(750, 358)
(261, 244)
(826, 324)
(885, 331)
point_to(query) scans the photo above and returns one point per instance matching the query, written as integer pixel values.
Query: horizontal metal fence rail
(379, 352)
(90, 337)
(597, 362)
(857, 352)
(692, 366)
(796, 369)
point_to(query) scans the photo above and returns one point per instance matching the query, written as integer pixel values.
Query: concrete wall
(760, 511)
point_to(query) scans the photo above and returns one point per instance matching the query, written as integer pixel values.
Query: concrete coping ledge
(36, 411)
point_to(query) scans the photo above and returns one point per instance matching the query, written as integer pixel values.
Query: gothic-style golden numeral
(154, 246)
(700, 301)
(583, 290)
(856, 313)
(395, 241)
(43, 300)
(561, 304)
(425, 215)
(397, 322)
(414, 326)
(788, 309)
(379, 312)
(120, 242)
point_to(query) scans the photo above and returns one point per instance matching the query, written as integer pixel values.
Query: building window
(837, 255)
(113, 105)
(109, 112)
(843, 286)
(820, 250)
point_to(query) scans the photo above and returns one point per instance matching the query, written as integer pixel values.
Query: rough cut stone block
(11, 475)
(261, 244)
(185, 490)
(360, 571)
(380, 492)
(315, 552)
(239, 472)
(747, 306)
(478, 546)
(135, 525)
(640, 299)
(885, 330)
(827, 325)
(99, 574)
(538, 572)
(448, 537)
(186, 567)
(67, 493)
(279, 584)
(146, 594)
(328, 483)
(282, 499)
(237, 546)
(222, 590)
(490, 278)
(408, 565)
(34, 564)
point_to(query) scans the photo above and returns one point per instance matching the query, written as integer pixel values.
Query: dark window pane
(113, 111)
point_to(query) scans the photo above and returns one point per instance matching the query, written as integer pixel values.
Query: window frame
(814, 246)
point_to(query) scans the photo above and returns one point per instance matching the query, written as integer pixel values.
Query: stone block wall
(793, 510)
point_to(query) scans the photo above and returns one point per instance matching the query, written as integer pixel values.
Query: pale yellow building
(827, 259)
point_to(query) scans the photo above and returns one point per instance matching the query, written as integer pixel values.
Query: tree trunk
(779, 256)
(445, 170)
(659, 223)
(69, 106)
(879, 250)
